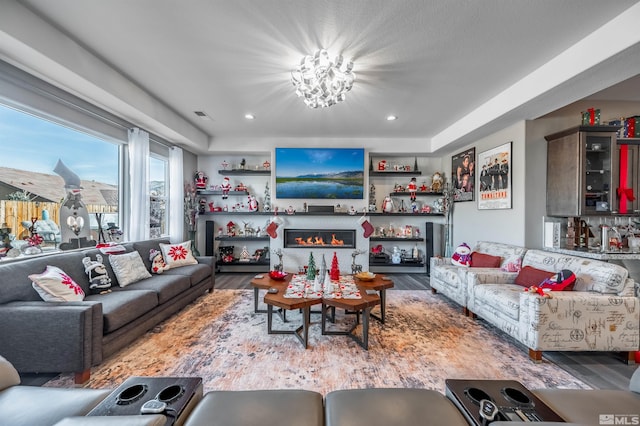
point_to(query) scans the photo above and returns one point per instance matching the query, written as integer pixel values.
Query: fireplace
(323, 238)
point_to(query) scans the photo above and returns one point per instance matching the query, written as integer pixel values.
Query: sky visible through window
(31, 143)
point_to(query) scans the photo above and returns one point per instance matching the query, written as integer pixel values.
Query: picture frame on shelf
(494, 191)
(463, 175)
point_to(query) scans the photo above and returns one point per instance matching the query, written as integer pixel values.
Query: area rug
(425, 340)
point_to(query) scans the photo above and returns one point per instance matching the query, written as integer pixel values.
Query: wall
(471, 225)
(256, 185)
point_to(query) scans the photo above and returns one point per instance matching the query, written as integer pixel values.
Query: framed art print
(463, 174)
(495, 178)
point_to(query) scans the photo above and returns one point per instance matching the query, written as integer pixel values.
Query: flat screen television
(320, 173)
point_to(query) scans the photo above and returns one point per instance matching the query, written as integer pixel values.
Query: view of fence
(13, 213)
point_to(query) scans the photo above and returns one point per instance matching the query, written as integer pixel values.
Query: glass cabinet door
(597, 179)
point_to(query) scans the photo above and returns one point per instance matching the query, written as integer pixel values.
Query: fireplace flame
(318, 241)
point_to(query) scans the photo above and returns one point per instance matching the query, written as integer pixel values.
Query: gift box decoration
(591, 117)
(630, 127)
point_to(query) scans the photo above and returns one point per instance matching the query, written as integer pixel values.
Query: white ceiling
(451, 70)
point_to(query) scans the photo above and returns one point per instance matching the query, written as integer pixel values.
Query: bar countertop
(624, 254)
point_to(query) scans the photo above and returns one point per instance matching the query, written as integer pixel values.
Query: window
(31, 190)
(158, 178)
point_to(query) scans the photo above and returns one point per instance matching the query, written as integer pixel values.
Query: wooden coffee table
(361, 307)
(278, 299)
(379, 283)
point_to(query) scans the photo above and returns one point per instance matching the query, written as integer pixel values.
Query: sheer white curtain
(176, 195)
(139, 185)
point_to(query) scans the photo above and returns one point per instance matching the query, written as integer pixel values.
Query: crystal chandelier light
(321, 82)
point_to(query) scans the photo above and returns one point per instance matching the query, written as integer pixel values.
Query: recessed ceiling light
(249, 116)
(202, 115)
(391, 117)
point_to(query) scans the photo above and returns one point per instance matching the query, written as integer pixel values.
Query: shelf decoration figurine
(201, 180)
(437, 181)
(224, 164)
(412, 188)
(244, 255)
(266, 164)
(387, 205)
(225, 187)
(252, 204)
(279, 266)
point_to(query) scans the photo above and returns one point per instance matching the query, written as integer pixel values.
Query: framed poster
(463, 176)
(495, 178)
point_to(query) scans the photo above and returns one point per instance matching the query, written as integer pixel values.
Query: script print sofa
(451, 280)
(71, 337)
(600, 314)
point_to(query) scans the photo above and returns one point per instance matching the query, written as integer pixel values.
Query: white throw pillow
(129, 268)
(178, 254)
(53, 285)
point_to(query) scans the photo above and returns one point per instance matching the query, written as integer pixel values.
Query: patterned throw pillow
(178, 254)
(53, 285)
(129, 268)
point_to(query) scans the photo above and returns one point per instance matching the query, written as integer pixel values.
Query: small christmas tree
(311, 267)
(334, 274)
(267, 198)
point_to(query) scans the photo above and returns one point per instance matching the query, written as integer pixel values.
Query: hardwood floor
(602, 370)
(237, 280)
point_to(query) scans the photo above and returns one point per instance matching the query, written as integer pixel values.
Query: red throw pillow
(482, 260)
(530, 276)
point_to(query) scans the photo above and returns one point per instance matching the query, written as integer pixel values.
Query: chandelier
(320, 82)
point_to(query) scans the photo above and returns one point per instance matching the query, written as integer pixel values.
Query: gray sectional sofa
(45, 406)
(55, 337)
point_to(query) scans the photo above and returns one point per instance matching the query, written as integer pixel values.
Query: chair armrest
(130, 420)
(52, 336)
(579, 320)
(437, 261)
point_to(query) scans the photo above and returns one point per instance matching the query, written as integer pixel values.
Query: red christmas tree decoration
(334, 273)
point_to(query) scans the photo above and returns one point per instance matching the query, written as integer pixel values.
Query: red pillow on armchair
(532, 277)
(482, 260)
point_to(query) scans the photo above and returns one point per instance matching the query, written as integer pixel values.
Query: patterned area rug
(425, 340)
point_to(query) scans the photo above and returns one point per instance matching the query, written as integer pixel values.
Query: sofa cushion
(33, 405)
(390, 406)
(167, 286)
(129, 268)
(591, 275)
(503, 298)
(258, 408)
(120, 307)
(54, 285)
(530, 276)
(196, 273)
(178, 254)
(144, 248)
(483, 260)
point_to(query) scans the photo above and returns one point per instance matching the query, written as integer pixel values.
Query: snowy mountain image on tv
(314, 173)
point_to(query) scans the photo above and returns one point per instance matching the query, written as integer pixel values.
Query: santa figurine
(201, 180)
(253, 204)
(387, 205)
(412, 188)
(225, 187)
